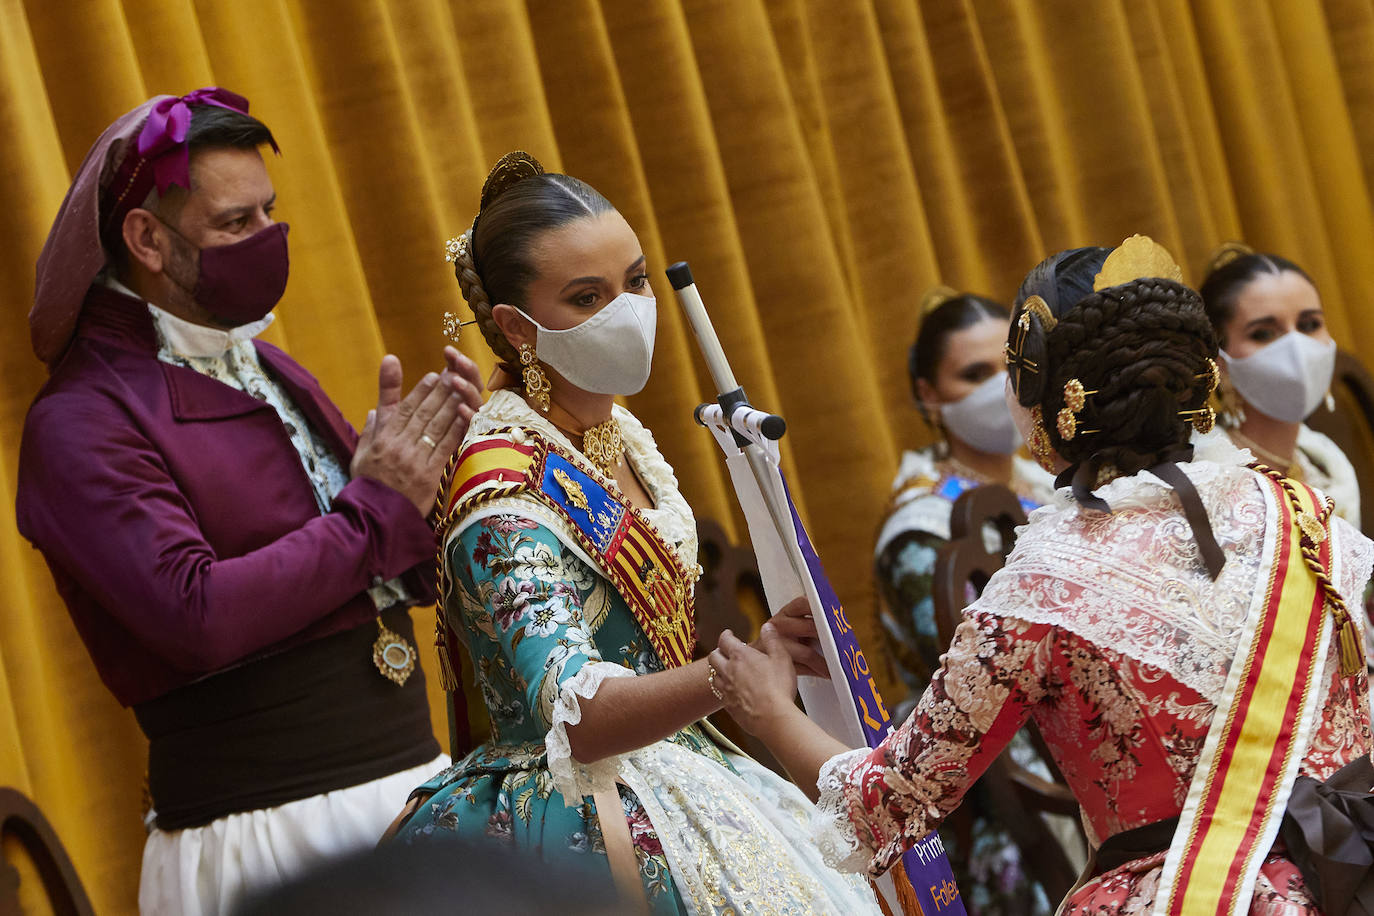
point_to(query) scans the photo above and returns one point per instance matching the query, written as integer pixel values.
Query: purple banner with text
(926, 864)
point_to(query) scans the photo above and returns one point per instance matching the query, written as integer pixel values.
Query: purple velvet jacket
(177, 520)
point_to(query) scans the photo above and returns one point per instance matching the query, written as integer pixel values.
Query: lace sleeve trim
(832, 830)
(572, 779)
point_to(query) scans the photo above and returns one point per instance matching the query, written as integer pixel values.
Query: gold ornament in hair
(1015, 360)
(455, 249)
(1075, 398)
(1227, 252)
(935, 297)
(1203, 418)
(509, 170)
(1135, 259)
(1212, 375)
(1035, 305)
(453, 326)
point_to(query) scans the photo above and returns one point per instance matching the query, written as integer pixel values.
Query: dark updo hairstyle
(1141, 348)
(520, 202)
(1232, 268)
(955, 313)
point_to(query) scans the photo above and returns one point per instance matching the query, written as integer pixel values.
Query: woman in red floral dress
(1114, 623)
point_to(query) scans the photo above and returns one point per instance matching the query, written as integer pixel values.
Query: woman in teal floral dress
(568, 557)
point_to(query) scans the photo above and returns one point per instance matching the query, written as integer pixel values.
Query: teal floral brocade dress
(712, 832)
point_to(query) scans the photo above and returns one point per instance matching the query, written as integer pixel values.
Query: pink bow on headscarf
(166, 129)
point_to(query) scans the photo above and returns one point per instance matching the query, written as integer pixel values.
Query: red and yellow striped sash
(644, 570)
(1259, 732)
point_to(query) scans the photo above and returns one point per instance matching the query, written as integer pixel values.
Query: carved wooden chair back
(21, 819)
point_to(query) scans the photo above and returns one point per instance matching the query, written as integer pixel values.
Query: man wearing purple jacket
(238, 560)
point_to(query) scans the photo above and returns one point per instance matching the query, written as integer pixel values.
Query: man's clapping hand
(406, 442)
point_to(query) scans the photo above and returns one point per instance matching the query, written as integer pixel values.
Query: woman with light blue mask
(958, 378)
(1277, 359)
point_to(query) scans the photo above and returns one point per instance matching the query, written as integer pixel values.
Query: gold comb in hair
(935, 297)
(1037, 306)
(1135, 259)
(1225, 253)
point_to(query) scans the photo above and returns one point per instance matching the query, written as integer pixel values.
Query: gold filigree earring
(1039, 441)
(536, 382)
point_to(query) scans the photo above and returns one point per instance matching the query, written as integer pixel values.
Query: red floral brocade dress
(1108, 632)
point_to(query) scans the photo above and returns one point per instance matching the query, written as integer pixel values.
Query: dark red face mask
(241, 283)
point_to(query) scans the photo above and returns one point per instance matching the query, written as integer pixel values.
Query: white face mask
(609, 353)
(1287, 379)
(981, 418)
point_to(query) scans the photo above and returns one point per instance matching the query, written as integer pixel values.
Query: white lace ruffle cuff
(831, 829)
(576, 780)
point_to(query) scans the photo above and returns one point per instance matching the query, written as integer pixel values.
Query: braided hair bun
(1139, 351)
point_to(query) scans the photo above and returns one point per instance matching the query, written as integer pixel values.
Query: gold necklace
(962, 470)
(1285, 466)
(958, 468)
(604, 446)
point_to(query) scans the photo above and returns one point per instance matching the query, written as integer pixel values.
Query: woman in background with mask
(1277, 358)
(568, 558)
(958, 377)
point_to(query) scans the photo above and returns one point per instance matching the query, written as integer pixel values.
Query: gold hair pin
(457, 247)
(1032, 306)
(1203, 418)
(1075, 395)
(1075, 398)
(1212, 375)
(453, 326)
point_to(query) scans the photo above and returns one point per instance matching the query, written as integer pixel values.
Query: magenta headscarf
(73, 255)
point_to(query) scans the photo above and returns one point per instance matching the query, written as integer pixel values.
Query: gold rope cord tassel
(1352, 653)
(906, 894)
(447, 679)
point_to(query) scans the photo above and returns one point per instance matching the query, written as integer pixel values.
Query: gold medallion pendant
(393, 655)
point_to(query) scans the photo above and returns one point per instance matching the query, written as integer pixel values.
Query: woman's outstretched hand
(797, 628)
(757, 682)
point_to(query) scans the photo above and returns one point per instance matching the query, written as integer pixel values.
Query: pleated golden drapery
(820, 162)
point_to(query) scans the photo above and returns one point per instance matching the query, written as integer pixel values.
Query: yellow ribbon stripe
(485, 461)
(1240, 794)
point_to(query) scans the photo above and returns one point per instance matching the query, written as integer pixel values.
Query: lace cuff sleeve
(572, 779)
(831, 829)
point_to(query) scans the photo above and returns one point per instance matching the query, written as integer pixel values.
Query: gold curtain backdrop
(820, 162)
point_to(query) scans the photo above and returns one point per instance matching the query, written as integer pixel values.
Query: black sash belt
(1328, 829)
(312, 719)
